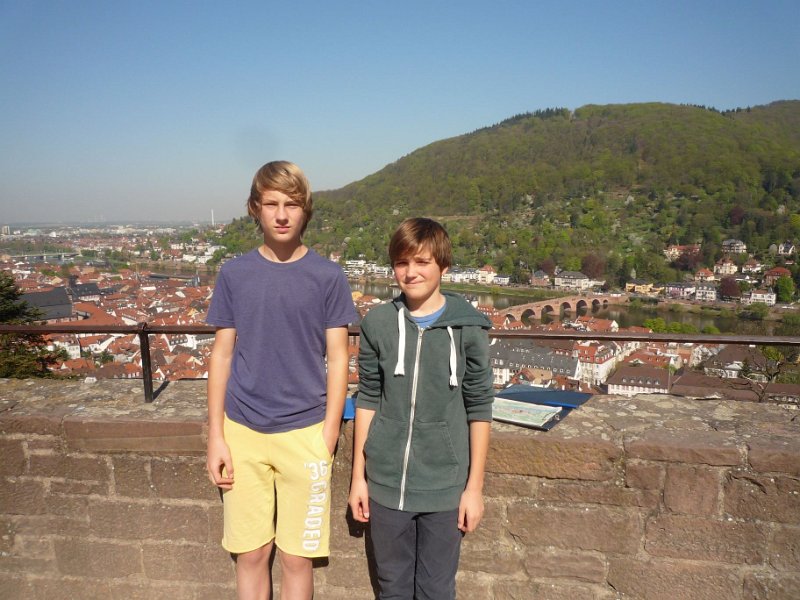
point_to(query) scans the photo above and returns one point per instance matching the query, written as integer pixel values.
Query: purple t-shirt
(280, 312)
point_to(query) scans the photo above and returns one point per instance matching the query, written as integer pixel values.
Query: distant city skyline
(162, 111)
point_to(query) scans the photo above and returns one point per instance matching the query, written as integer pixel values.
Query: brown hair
(417, 233)
(285, 177)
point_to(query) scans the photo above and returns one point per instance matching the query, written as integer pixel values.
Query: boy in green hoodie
(423, 418)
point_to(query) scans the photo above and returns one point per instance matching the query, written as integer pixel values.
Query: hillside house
(768, 297)
(706, 293)
(680, 290)
(540, 279)
(704, 275)
(486, 275)
(571, 280)
(734, 247)
(674, 251)
(775, 273)
(752, 266)
(725, 266)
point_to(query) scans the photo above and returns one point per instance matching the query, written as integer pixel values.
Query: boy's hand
(359, 500)
(219, 464)
(470, 510)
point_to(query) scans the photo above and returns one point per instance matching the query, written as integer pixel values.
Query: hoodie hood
(457, 313)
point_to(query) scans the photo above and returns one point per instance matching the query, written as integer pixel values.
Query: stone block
(762, 497)
(187, 562)
(514, 590)
(556, 564)
(493, 528)
(515, 486)
(45, 445)
(83, 488)
(696, 538)
(472, 585)
(645, 476)
(587, 492)
(21, 496)
(218, 591)
(74, 507)
(148, 590)
(215, 523)
(14, 586)
(35, 547)
(185, 478)
(499, 560)
(692, 490)
(669, 580)
(135, 435)
(784, 549)
(44, 423)
(81, 468)
(47, 524)
(12, 458)
(132, 476)
(153, 521)
(8, 534)
(555, 458)
(769, 586)
(694, 447)
(593, 528)
(106, 560)
(775, 455)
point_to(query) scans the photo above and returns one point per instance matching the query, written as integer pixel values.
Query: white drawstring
(453, 361)
(400, 368)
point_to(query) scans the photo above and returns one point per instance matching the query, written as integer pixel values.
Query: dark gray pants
(416, 554)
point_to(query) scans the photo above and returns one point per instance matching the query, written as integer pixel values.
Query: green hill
(618, 182)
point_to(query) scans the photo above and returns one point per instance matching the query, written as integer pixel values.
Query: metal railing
(145, 330)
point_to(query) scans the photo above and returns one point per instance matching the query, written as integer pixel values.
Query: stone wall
(653, 497)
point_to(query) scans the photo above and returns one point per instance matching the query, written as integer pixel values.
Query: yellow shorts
(293, 468)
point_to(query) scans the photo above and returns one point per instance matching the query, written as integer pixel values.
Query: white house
(572, 280)
(629, 381)
(768, 297)
(706, 293)
(486, 274)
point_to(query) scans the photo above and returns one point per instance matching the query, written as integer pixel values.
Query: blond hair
(285, 177)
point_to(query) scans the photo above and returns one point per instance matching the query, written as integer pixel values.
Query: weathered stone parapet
(105, 496)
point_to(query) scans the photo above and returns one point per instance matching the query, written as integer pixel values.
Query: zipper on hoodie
(407, 452)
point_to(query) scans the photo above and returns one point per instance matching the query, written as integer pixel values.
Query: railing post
(147, 369)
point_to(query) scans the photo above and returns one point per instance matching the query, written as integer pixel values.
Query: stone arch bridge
(571, 304)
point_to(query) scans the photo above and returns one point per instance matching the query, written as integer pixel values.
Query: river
(624, 315)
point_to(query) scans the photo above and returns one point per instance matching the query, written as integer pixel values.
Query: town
(168, 281)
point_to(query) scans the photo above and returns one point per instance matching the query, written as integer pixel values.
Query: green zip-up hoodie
(417, 448)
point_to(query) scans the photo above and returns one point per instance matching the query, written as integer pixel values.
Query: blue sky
(164, 110)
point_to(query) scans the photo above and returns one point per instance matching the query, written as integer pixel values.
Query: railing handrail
(144, 330)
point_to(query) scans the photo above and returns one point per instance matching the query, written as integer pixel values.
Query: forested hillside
(609, 184)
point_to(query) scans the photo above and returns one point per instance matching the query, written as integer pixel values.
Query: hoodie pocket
(384, 450)
(433, 462)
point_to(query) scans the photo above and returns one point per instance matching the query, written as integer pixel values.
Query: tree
(21, 355)
(728, 288)
(548, 265)
(593, 266)
(688, 261)
(784, 289)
